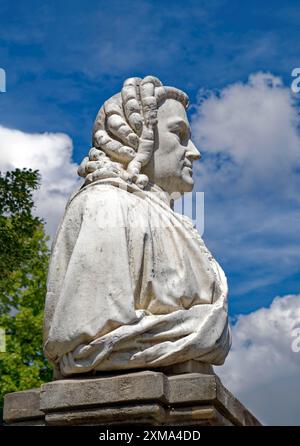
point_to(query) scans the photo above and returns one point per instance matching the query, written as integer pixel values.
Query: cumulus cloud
(263, 367)
(51, 154)
(249, 136)
(255, 125)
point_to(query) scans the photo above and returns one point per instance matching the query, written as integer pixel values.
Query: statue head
(143, 135)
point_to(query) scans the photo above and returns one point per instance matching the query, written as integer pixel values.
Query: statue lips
(187, 163)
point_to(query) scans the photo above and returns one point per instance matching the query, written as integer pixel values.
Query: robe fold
(131, 285)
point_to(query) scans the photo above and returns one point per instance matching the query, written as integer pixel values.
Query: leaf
(24, 257)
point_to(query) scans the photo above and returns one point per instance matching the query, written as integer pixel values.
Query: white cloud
(249, 136)
(255, 125)
(250, 140)
(262, 370)
(50, 153)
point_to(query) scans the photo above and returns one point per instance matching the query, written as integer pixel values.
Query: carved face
(171, 164)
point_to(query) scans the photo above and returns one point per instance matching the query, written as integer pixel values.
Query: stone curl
(124, 131)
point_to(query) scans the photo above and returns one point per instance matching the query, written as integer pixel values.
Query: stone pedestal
(141, 398)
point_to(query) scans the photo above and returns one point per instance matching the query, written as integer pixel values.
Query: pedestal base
(141, 398)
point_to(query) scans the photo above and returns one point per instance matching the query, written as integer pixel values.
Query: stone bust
(131, 283)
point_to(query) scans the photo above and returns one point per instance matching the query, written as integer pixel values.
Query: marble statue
(131, 283)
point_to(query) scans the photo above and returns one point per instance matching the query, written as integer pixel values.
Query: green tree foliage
(24, 258)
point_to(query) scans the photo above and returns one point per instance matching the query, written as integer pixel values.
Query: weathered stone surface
(190, 366)
(191, 388)
(206, 415)
(77, 393)
(148, 397)
(135, 414)
(146, 414)
(23, 406)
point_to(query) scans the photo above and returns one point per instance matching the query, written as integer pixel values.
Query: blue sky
(64, 58)
(233, 58)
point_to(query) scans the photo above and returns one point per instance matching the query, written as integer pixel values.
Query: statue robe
(131, 285)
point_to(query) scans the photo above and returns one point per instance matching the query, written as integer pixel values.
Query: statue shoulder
(102, 202)
(100, 194)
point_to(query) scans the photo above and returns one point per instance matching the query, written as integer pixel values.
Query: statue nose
(192, 152)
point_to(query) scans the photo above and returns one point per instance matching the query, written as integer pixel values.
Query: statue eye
(182, 136)
(179, 134)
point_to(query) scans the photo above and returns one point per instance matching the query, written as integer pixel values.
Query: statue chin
(187, 184)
